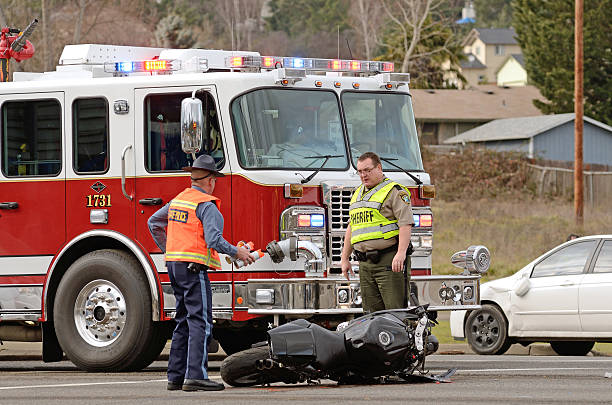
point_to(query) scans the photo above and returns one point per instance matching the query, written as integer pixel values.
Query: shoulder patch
(405, 197)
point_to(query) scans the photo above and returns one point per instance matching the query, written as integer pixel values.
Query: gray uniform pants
(382, 288)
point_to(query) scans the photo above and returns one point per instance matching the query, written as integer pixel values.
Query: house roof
(518, 128)
(492, 36)
(519, 58)
(472, 62)
(481, 103)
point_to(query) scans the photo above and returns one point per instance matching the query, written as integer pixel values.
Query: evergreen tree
(493, 13)
(297, 17)
(545, 30)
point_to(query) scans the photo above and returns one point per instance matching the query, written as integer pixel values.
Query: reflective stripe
(377, 228)
(365, 204)
(185, 255)
(374, 190)
(183, 203)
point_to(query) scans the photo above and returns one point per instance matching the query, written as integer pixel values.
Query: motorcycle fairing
(301, 342)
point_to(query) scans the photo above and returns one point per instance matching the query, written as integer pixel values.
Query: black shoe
(202, 385)
(175, 385)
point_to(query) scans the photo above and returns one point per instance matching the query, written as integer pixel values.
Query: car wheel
(487, 331)
(572, 348)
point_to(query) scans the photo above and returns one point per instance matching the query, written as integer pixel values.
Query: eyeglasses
(365, 171)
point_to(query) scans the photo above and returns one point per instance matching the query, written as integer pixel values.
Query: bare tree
(418, 20)
(366, 20)
(241, 18)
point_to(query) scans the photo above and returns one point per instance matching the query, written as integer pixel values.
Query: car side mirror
(473, 260)
(192, 122)
(522, 285)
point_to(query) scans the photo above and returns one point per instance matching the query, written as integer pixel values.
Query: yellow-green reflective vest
(367, 223)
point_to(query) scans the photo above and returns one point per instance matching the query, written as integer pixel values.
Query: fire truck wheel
(102, 313)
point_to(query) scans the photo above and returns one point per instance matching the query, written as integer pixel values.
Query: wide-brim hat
(205, 162)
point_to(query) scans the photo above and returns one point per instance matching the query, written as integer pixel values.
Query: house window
(429, 134)
(499, 50)
(477, 50)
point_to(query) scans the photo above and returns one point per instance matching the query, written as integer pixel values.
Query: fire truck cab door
(32, 182)
(159, 156)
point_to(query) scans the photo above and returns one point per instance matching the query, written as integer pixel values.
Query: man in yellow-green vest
(379, 234)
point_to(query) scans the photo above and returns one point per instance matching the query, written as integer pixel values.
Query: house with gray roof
(549, 137)
(490, 47)
(444, 113)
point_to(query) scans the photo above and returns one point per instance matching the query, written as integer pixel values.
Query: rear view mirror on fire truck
(192, 119)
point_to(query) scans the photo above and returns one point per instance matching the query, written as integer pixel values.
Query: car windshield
(383, 123)
(289, 128)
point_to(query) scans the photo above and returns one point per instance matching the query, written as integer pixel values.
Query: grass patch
(442, 332)
(516, 231)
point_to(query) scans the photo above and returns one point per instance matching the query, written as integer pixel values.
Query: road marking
(533, 359)
(88, 384)
(489, 370)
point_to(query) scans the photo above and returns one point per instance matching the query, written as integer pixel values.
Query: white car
(563, 297)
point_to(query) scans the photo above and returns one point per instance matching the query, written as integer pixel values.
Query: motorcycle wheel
(240, 369)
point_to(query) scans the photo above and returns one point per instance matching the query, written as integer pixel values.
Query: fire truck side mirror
(192, 121)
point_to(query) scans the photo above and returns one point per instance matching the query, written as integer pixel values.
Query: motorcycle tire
(240, 369)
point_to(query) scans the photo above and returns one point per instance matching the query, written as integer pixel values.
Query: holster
(373, 255)
(196, 268)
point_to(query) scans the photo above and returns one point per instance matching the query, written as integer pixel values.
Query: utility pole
(578, 112)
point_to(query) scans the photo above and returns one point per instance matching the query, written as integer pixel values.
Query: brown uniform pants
(382, 288)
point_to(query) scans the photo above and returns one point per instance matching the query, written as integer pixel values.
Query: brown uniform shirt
(396, 206)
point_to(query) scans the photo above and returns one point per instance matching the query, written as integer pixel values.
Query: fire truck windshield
(285, 128)
(382, 123)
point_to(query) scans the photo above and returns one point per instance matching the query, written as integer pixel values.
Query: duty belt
(373, 255)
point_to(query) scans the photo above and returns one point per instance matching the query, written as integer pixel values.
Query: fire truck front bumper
(331, 296)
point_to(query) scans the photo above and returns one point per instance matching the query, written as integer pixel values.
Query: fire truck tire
(102, 313)
(233, 341)
(162, 332)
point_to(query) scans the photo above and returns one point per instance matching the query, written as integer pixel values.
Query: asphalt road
(479, 379)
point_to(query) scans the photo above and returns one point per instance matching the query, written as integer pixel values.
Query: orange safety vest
(186, 241)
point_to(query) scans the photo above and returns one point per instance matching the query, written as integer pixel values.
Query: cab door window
(31, 138)
(163, 150)
(90, 142)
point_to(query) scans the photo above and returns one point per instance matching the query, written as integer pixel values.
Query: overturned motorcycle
(384, 346)
(384, 343)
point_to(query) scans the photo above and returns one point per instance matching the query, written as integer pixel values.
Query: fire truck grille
(338, 217)
(338, 209)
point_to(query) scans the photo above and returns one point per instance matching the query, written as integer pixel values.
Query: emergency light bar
(157, 65)
(309, 64)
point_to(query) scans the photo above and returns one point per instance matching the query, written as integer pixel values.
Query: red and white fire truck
(89, 151)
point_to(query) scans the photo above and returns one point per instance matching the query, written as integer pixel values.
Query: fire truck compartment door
(32, 181)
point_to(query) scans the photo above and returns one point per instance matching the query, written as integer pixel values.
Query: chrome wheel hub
(100, 313)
